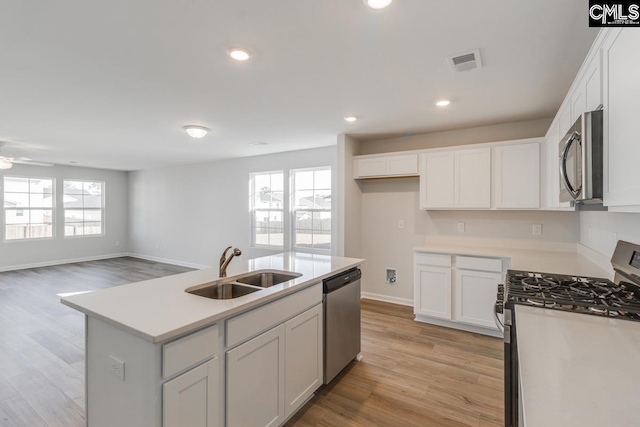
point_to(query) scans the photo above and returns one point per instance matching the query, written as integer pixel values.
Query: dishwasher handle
(338, 281)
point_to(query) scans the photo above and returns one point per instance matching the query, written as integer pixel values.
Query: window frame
(102, 210)
(53, 208)
(253, 209)
(293, 211)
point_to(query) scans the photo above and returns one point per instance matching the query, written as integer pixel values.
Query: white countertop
(577, 369)
(160, 309)
(544, 261)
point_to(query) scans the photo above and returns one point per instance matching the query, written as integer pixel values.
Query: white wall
(601, 231)
(385, 202)
(350, 201)
(189, 214)
(30, 253)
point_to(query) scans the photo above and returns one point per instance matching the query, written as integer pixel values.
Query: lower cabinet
(270, 376)
(457, 291)
(475, 295)
(193, 399)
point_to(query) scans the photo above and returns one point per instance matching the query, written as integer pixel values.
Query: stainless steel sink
(227, 290)
(265, 279)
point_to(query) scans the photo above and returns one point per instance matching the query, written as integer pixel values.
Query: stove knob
(501, 288)
(499, 308)
(500, 297)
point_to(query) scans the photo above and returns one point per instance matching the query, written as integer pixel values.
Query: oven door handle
(499, 323)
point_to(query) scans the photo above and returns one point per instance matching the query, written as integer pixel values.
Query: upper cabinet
(621, 65)
(516, 176)
(385, 166)
(456, 179)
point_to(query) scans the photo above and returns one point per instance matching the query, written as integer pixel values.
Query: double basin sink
(237, 286)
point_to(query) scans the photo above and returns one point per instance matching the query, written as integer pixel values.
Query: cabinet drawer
(188, 351)
(433, 259)
(247, 325)
(476, 263)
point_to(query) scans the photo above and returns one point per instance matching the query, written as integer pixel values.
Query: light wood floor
(412, 374)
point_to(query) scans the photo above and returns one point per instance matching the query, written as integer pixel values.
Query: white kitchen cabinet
(587, 93)
(437, 180)
(383, 166)
(303, 358)
(457, 291)
(255, 381)
(193, 398)
(456, 179)
(475, 295)
(621, 65)
(516, 176)
(433, 291)
(276, 371)
(473, 178)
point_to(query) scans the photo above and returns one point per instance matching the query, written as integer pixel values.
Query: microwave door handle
(563, 166)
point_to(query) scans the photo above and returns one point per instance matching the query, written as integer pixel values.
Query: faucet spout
(224, 261)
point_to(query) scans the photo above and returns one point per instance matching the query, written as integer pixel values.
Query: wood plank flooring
(412, 374)
(42, 341)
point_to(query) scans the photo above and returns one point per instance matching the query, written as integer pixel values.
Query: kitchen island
(159, 356)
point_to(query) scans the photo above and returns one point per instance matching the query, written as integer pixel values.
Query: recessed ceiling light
(239, 54)
(259, 143)
(196, 131)
(350, 119)
(443, 103)
(377, 4)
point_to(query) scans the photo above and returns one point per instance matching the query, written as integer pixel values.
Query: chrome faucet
(224, 261)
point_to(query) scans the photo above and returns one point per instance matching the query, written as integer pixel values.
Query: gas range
(587, 295)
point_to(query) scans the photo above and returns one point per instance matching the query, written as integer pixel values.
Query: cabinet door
(621, 65)
(255, 381)
(432, 291)
(473, 178)
(517, 176)
(193, 399)
(370, 167)
(303, 358)
(437, 180)
(402, 165)
(592, 83)
(475, 295)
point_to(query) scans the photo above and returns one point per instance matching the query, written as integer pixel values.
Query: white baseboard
(61, 261)
(386, 298)
(168, 261)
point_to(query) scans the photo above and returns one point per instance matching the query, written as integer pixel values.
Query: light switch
(116, 368)
(461, 227)
(537, 230)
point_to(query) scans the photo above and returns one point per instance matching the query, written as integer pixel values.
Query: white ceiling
(110, 84)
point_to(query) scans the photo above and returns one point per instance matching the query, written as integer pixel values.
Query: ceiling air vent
(465, 61)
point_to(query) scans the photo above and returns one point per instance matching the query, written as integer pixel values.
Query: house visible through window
(28, 208)
(311, 209)
(267, 208)
(83, 208)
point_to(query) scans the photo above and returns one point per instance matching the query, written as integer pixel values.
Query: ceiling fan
(7, 162)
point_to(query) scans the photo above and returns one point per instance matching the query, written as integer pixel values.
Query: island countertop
(160, 309)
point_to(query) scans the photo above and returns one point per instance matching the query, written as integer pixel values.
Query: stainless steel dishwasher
(341, 301)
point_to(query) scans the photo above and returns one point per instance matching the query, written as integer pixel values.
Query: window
(311, 209)
(267, 208)
(28, 208)
(83, 208)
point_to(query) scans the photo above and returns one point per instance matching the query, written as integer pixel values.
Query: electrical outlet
(116, 368)
(536, 230)
(461, 227)
(400, 224)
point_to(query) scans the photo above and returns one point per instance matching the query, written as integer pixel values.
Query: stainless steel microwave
(581, 152)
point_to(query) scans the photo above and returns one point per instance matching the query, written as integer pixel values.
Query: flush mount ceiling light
(443, 103)
(196, 131)
(350, 119)
(377, 4)
(239, 54)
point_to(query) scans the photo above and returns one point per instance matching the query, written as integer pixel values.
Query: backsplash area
(601, 231)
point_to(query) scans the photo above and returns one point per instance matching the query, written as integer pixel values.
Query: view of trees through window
(28, 208)
(267, 201)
